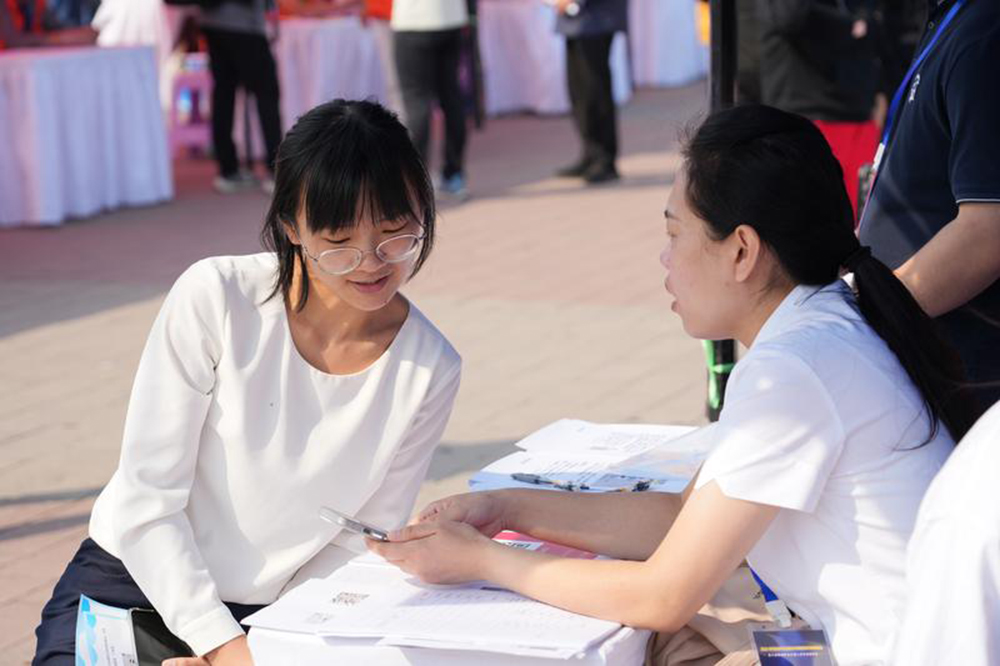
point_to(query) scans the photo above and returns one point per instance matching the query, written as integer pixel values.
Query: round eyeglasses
(342, 260)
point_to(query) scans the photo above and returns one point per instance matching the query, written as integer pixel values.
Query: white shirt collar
(809, 302)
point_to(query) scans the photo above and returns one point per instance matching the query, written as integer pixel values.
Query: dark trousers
(427, 64)
(102, 577)
(588, 75)
(242, 59)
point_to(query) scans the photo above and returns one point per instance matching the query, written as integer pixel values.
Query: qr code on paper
(348, 598)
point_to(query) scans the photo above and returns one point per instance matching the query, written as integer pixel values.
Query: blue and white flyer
(103, 635)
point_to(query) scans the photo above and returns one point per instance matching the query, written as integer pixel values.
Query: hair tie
(855, 258)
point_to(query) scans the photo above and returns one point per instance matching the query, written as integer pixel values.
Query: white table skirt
(81, 131)
(322, 59)
(279, 648)
(524, 60)
(665, 47)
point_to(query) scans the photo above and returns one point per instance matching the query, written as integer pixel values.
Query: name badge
(798, 646)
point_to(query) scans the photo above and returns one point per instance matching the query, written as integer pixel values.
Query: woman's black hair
(774, 171)
(343, 160)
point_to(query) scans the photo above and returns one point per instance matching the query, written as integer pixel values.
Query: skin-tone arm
(711, 536)
(957, 264)
(626, 526)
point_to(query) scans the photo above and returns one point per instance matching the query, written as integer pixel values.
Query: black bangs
(344, 161)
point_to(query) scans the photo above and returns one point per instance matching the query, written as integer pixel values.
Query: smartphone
(352, 524)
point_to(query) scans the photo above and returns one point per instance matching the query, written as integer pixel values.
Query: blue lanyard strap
(775, 606)
(769, 594)
(890, 117)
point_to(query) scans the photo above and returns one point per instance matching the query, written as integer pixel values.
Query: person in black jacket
(819, 58)
(589, 27)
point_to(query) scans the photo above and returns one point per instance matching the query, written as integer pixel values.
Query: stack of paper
(370, 599)
(577, 455)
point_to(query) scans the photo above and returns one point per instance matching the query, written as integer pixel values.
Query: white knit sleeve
(167, 410)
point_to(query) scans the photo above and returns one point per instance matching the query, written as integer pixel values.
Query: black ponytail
(774, 171)
(933, 365)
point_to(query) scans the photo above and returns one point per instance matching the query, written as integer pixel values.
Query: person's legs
(258, 73)
(225, 77)
(575, 82)
(415, 66)
(449, 94)
(386, 48)
(101, 577)
(104, 578)
(598, 117)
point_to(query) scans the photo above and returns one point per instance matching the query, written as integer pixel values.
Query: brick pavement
(551, 291)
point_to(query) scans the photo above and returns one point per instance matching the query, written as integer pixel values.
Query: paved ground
(551, 291)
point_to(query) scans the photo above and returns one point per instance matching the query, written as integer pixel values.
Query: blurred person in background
(427, 39)
(934, 210)
(240, 56)
(819, 58)
(22, 27)
(589, 27)
(378, 14)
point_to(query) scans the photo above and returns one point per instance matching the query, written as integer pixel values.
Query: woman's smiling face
(374, 282)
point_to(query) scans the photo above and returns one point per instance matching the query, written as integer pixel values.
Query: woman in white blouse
(272, 385)
(834, 422)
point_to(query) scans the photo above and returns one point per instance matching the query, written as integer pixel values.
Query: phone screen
(352, 524)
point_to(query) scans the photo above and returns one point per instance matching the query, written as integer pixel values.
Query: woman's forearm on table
(621, 525)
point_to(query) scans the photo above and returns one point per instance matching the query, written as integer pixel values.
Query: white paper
(599, 457)
(104, 635)
(483, 618)
(379, 601)
(576, 438)
(677, 459)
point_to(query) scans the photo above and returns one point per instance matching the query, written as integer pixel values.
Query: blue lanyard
(775, 606)
(890, 117)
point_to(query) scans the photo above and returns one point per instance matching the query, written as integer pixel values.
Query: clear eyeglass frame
(394, 250)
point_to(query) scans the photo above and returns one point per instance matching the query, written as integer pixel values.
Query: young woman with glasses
(835, 421)
(272, 385)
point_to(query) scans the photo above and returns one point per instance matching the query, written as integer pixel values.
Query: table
(665, 48)
(322, 59)
(81, 131)
(627, 647)
(524, 60)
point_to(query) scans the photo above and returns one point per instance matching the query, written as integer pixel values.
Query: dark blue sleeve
(972, 99)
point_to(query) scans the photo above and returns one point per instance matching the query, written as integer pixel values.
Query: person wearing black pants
(240, 56)
(589, 28)
(102, 577)
(427, 40)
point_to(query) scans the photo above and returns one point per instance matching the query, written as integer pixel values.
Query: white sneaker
(267, 185)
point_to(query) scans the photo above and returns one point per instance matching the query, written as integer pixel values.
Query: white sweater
(427, 15)
(233, 441)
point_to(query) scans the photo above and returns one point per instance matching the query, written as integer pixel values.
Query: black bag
(153, 641)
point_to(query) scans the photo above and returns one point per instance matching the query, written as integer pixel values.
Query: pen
(637, 487)
(542, 481)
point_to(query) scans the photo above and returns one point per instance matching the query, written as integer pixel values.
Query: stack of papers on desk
(593, 457)
(371, 599)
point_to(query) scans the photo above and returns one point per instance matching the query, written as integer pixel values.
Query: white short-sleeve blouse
(821, 420)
